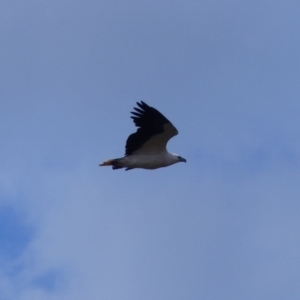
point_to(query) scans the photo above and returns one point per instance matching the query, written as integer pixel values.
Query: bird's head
(181, 159)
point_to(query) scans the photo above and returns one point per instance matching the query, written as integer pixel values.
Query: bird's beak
(183, 159)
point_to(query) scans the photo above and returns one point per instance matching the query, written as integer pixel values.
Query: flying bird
(146, 148)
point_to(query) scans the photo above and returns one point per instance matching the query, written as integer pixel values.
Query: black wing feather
(138, 110)
(149, 122)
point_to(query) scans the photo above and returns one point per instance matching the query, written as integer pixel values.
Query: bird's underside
(140, 161)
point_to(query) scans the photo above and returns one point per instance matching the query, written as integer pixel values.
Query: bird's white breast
(152, 161)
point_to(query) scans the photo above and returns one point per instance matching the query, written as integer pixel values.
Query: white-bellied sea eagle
(146, 148)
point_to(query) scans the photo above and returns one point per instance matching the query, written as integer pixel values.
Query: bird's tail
(115, 163)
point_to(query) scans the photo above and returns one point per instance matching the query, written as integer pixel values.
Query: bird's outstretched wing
(154, 131)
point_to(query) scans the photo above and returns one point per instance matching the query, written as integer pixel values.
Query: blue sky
(223, 226)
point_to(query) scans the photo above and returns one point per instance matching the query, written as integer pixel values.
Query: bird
(146, 148)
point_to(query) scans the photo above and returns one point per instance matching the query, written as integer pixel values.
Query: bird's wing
(153, 133)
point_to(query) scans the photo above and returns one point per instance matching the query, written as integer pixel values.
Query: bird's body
(146, 148)
(151, 162)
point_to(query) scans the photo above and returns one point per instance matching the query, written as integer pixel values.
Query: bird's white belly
(147, 161)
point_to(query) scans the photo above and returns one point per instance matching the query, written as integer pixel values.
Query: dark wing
(154, 131)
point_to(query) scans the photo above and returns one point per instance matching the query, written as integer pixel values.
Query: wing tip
(142, 104)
